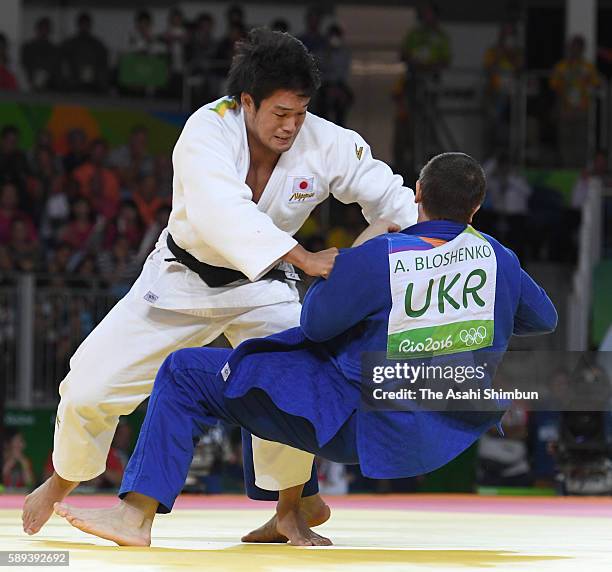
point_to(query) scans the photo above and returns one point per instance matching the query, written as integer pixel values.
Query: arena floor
(371, 533)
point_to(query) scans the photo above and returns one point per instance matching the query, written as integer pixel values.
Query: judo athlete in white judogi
(248, 170)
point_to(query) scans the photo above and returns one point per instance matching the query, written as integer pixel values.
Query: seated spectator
(41, 58)
(333, 477)
(175, 38)
(226, 47)
(127, 224)
(17, 469)
(502, 64)
(312, 37)
(573, 79)
(153, 231)
(200, 53)
(10, 212)
(13, 161)
(336, 97)
(78, 231)
(59, 262)
(142, 39)
(147, 199)
(24, 247)
(280, 25)
(44, 174)
(56, 210)
(97, 182)
(77, 150)
(119, 267)
(599, 169)
(8, 81)
(508, 193)
(504, 461)
(84, 59)
(426, 48)
(132, 161)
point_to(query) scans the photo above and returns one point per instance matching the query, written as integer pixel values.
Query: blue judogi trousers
(187, 397)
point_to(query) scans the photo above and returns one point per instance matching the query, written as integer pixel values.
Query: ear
(475, 211)
(418, 195)
(247, 102)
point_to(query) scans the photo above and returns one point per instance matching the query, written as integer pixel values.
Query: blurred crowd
(184, 54)
(561, 103)
(92, 212)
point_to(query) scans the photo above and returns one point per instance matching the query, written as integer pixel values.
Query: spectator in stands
(23, 246)
(143, 39)
(127, 224)
(10, 212)
(504, 461)
(175, 40)
(59, 262)
(56, 211)
(44, 175)
(235, 16)
(8, 81)
(508, 195)
(312, 37)
(13, 161)
(41, 58)
(426, 48)
(280, 25)
(119, 267)
(77, 150)
(97, 182)
(573, 79)
(79, 229)
(132, 161)
(84, 59)
(147, 199)
(333, 477)
(503, 63)
(335, 97)
(152, 232)
(200, 53)
(600, 169)
(17, 469)
(225, 49)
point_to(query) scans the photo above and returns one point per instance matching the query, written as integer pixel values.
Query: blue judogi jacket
(314, 371)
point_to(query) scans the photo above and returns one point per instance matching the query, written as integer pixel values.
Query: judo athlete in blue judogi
(438, 288)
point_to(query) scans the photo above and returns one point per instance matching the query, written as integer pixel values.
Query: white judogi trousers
(113, 371)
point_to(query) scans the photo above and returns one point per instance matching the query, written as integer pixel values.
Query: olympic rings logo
(473, 335)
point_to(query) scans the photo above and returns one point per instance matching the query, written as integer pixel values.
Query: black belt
(216, 276)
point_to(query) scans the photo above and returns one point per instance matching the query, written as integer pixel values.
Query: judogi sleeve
(535, 313)
(334, 305)
(358, 177)
(219, 205)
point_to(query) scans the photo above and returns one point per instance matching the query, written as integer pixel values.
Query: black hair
(84, 18)
(452, 186)
(9, 130)
(267, 61)
(144, 15)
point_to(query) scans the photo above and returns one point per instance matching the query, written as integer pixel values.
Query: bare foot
(313, 511)
(292, 525)
(123, 524)
(38, 505)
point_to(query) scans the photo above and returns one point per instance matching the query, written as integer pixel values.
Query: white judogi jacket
(214, 218)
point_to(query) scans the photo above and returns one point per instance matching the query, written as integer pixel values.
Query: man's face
(278, 120)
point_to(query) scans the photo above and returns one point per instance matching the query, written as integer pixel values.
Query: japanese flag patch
(301, 190)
